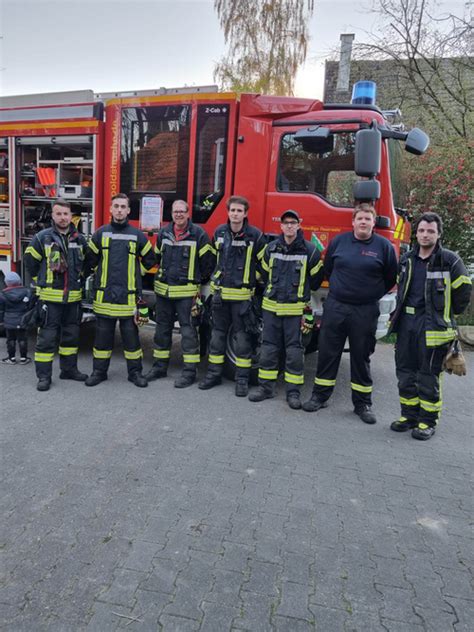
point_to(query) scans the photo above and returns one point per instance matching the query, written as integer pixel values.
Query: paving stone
(218, 617)
(294, 601)
(255, 612)
(326, 619)
(464, 610)
(262, 578)
(171, 623)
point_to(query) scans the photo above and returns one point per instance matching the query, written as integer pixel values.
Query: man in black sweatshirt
(361, 267)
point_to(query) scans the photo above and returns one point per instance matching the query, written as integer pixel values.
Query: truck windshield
(325, 168)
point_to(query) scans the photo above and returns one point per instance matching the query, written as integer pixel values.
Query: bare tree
(432, 65)
(267, 41)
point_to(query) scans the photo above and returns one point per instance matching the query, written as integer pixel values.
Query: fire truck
(200, 145)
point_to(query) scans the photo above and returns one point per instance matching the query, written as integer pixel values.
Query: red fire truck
(202, 146)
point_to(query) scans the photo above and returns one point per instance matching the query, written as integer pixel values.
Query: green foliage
(267, 41)
(442, 182)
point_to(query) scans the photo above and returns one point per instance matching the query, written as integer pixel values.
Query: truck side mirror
(382, 222)
(366, 190)
(417, 141)
(367, 157)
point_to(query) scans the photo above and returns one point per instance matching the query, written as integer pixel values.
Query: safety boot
(403, 424)
(293, 400)
(138, 379)
(423, 432)
(262, 392)
(313, 404)
(73, 374)
(365, 413)
(187, 379)
(155, 373)
(209, 382)
(43, 384)
(241, 388)
(95, 378)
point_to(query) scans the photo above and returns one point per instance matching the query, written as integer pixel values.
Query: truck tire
(230, 357)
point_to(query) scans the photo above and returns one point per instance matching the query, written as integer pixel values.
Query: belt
(413, 310)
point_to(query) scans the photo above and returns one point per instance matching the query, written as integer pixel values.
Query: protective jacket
(117, 253)
(184, 262)
(291, 272)
(447, 292)
(56, 263)
(234, 276)
(14, 303)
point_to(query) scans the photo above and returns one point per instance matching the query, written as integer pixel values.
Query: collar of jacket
(436, 254)
(296, 244)
(363, 241)
(119, 225)
(71, 231)
(242, 231)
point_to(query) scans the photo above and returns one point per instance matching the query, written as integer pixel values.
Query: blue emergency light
(364, 92)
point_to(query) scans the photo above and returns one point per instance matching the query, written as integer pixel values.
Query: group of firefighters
(433, 285)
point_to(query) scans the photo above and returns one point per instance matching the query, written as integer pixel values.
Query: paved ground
(159, 509)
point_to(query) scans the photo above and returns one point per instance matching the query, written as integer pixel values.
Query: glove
(455, 362)
(57, 261)
(307, 321)
(196, 310)
(141, 313)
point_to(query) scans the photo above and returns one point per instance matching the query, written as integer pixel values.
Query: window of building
(324, 167)
(211, 154)
(155, 154)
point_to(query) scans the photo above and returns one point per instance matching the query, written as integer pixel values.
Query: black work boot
(209, 382)
(156, 373)
(43, 384)
(73, 374)
(365, 413)
(423, 432)
(293, 400)
(262, 392)
(138, 379)
(313, 404)
(186, 379)
(241, 388)
(403, 424)
(95, 378)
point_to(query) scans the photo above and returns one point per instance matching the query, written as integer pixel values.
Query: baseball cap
(290, 213)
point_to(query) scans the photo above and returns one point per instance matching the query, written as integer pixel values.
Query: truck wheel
(311, 345)
(230, 358)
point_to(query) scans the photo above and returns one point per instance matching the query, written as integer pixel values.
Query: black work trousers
(419, 371)
(281, 333)
(104, 344)
(168, 310)
(359, 324)
(14, 336)
(60, 329)
(225, 314)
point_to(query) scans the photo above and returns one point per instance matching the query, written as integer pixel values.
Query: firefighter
(118, 251)
(185, 259)
(433, 286)
(361, 267)
(56, 261)
(291, 267)
(237, 244)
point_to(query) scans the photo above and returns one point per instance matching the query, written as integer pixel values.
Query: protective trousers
(225, 314)
(60, 328)
(419, 371)
(104, 344)
(281, 333)
(359, 324)
(14, 336)
(167, 311)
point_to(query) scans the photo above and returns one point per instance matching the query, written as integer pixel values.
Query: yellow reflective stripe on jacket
(431, 407)
(361, 388)
(101, 354)
(216, 359)
(133, 355)
(243, 363)
(437, 338)
(57, 296)
(191, 357)
(322, 382)
(265, 265)
(314, 270)
(34, 253)
(302, 278)
(49, 272)
(283, 309)
(161, 354)
(412, 401)
(68, 351)
(131, 284)
(192, 261)
(460, 280)
(175, 291)
(146, 248)
(232, 293)
(248, 262)
(43, 357)
(113, 309)
(93, 247)
(292, 378)
(265, 374)
(204, 249)
(447, 300)
(105, 261)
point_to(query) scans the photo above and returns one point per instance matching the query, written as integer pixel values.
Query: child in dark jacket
(14, 303)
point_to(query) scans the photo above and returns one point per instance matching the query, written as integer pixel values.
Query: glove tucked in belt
(455, 362)
(141, 313)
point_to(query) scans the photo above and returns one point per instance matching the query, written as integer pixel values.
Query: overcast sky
(121, 45)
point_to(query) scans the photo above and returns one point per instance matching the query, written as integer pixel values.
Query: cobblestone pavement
(158, 509)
